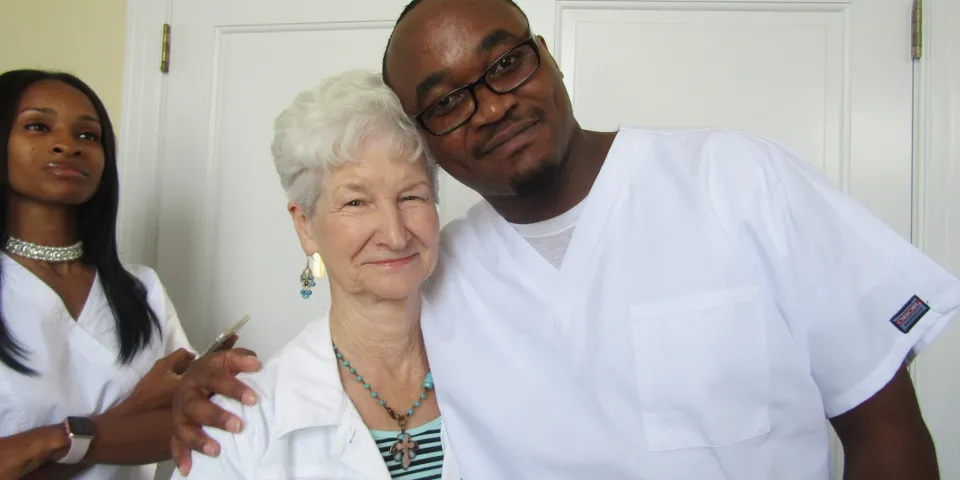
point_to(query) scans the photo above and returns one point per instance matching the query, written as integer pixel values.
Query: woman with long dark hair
(90, 350)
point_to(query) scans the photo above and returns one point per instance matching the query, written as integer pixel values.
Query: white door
(832, 80)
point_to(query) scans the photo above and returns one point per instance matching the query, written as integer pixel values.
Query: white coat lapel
(313, 397)
(450, 470)
(358, 450)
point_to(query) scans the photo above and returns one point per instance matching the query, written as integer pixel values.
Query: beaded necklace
(404, 450)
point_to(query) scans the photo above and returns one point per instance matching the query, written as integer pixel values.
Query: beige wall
(82, 37)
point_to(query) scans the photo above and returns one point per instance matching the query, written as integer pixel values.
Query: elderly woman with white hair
(352, 395)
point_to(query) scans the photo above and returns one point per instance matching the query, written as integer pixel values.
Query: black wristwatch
(80, 432)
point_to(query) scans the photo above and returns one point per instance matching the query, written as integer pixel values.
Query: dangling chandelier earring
(307, 281)
(307, 278)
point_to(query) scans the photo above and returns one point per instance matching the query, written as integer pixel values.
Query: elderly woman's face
(376, 225)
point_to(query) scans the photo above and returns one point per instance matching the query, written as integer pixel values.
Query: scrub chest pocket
(702, 368)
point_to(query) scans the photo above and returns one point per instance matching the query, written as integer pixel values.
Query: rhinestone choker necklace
(20, 248)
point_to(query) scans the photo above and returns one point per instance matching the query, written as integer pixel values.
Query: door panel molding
(816, 35)
(140, 130)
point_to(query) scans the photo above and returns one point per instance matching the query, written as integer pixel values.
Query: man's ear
(543, 47)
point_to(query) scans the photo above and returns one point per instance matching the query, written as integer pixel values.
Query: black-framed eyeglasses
(503, 76)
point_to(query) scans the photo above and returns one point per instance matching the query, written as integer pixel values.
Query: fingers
(228, 343)
(186, 439)
(215, 374)
(188, 433)
(181, 457)
(225, 384)
(179, 361)
(203, 412)
(191, 411)
(237, 360)
(244, 352)
(192, 408)
(190, 437)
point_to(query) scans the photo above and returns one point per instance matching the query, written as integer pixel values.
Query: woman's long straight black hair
(96, 228)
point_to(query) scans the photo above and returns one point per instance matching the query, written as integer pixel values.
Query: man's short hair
(406, 10)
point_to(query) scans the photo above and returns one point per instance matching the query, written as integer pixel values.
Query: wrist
(131, 406)
(80, 432)
(126, 407)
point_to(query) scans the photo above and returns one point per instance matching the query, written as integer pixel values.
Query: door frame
(936, 165)
(936, 173)
(141, 128)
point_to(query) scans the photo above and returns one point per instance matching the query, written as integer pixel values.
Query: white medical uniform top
(718, 300)
(303, 426)
(76, 360)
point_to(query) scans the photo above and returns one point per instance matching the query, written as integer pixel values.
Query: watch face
(80, 426)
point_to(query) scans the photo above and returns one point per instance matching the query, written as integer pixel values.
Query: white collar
(309, 391)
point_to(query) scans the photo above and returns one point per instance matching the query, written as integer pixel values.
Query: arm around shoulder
(239, 452)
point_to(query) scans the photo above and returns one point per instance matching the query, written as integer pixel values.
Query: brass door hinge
(165, 49)
(916, 29)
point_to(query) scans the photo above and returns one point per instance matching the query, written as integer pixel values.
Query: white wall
(84, 38)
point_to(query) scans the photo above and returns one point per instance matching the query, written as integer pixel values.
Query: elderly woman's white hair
(331, 124)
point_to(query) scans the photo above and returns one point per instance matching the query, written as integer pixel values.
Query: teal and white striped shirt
(428, 463)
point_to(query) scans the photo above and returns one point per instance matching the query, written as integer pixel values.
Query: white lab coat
(76, 359)
(718, 300)
(304, 425)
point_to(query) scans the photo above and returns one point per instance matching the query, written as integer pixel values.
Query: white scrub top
(719, 299)
(76, 359)
(304, 425)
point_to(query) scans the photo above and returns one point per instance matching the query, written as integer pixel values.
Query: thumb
(179, 361)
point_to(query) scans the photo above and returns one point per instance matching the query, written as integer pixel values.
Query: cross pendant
(404, 450)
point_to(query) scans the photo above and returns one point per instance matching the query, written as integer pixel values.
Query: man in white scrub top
(645, 304)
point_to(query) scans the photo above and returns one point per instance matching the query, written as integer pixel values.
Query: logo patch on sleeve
(910, 314)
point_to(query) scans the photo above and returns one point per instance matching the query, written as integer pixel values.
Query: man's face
(514, 142)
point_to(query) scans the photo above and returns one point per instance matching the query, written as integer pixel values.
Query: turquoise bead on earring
(307, 282)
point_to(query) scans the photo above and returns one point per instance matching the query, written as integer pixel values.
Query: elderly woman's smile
(395, 262)
(375, 223)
